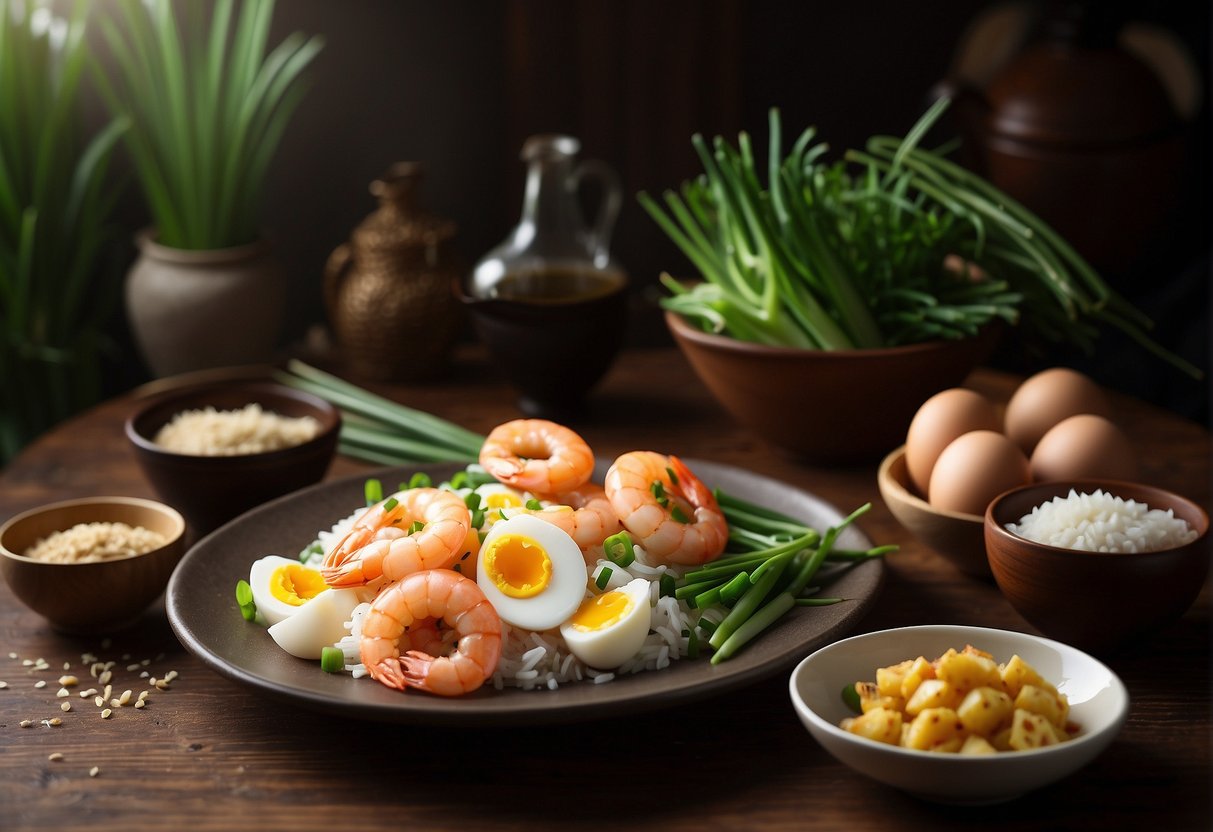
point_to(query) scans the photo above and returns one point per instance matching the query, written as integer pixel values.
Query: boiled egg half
(318, 624)
(282, 586)
(610, 628)
(531, 572)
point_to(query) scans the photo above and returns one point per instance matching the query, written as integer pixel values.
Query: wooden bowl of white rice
(94, 564)
(217, 449)
(1097, 564)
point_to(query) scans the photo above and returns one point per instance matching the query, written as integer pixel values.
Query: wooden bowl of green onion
(827, 406)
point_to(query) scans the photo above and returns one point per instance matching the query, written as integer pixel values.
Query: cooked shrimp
(537, 455)
(699, 535)
(417, 601)
(381, 545)
(584, 513)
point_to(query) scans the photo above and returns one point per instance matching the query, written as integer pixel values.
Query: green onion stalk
(769, 560)
(893, 244)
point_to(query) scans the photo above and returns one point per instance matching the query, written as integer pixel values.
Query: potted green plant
(56, 294)
(208, 107)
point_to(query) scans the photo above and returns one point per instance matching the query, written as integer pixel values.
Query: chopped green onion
(421, 480)
(533, 505)
(707, 625)
(666, 584)
(706, 599)
(416, 526)
(678, 515)
(477, 519)
(732, 590)
(818, 602)
(244, 593)
(670, 473)
(619, 549)
(332, 660)
(604, 577)
(459, 480)
(389, 505)
(472, 501)
(850, 697)
(692, 644)
(373, 489)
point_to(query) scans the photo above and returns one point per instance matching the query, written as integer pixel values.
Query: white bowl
(1098, 700)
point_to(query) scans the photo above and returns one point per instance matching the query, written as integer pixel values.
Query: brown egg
(1048, 397)
(939, 420)
(974, 469)
(1085, 446)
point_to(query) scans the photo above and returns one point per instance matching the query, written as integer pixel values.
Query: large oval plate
(202, 610)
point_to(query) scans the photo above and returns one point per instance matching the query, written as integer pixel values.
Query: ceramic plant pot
(195, 310)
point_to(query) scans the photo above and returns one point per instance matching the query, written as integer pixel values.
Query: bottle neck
(549, 207)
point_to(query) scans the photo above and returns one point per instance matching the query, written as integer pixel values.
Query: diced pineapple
(932, 693)
(1016, 673)
(968, 670)
(977, 745)
(933, 728)
(985, 710)
(889, 679)
(1044, 701)
(1002, 739)
(974, 651)
(1029, 730)
(877, 724)
(870, 697)
(920, 669)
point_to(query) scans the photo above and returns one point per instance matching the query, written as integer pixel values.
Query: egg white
(261, 576)
(565, 590)
(614, 643)
(318, 624)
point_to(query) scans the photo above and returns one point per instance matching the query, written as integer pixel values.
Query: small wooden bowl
(210, 490)
(959, 538)
(1094, 600)
(90, 597)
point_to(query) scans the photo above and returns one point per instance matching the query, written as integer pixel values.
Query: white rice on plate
(1103, 522)
(541, 660)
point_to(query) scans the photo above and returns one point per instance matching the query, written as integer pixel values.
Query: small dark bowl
(553, 353)
(210, 490)
(90, 597)
(1095, 601)
(840, 406)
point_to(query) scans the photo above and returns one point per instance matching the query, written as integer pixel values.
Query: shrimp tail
(344, 573)
(696, 492)
(415, 669)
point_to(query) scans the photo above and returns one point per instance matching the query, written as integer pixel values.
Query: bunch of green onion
(891, 245)
(770, 558)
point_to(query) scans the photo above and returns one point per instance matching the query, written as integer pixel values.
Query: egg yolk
(502, 499)
(602, 611)
(296, 584)
(518, 565)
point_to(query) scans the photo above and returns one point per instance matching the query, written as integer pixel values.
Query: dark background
(460, 85)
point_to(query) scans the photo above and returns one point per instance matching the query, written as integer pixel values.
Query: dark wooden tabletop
(213, 754)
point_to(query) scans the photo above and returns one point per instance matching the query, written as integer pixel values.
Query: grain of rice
(85, 694)
(93, 542)
(98, 701)
(141, 703)
(105, 676)
(68, 681)
(54, 722)
(105, 714)
(41, 683)
(249, 430)
(55, 756)
(65, 707)
(94, 771)
(3, 685)
(62, 692)
(25, 723)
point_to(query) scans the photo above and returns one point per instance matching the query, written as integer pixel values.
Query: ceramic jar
(388, 291)
(193, 310)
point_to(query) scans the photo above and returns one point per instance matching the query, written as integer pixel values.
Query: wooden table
(216, 755)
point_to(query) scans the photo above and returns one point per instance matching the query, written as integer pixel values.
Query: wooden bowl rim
(887, 479)
(176, 519)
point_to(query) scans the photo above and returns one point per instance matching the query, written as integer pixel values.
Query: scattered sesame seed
(144, 675)
(94, 771)
(133, 667)
(27, 663)
(68, 681)
(170, 676)
(98, 701)
(141, 703)
(54, 757)
(125, 697)
(106, 713)
(145, 662)
(85, 694)
(62, 692)
(162, 685)
(3, 685)
(12, 655)
(144, 694)
(41, 683)
(105, 677)
(108, 692)
(65, 707)
(25, 723)
(114, 703)
(67, 665)
(56, 721)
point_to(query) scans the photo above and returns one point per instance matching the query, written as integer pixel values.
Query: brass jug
(388, 291)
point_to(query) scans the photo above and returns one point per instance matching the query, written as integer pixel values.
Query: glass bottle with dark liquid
(550, 301)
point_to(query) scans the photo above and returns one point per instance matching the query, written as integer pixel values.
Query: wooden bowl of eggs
(962, 450)
(94, 564)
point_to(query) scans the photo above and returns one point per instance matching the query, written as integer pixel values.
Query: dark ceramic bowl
(553, 353)
(840, 406)
(1095, 601)
(90, 597)
(210, 490)
(959, 538)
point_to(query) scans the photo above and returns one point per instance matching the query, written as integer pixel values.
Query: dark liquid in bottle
(558, 285)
